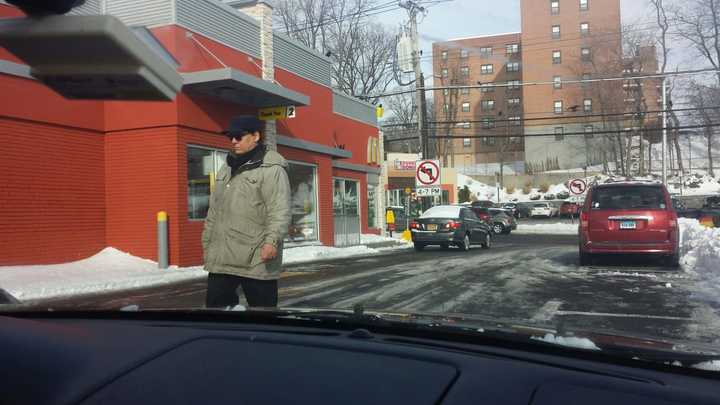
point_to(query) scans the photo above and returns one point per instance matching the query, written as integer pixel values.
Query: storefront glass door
(346, 210)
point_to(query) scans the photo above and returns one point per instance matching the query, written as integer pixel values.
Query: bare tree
(701, 97)
(362, 52)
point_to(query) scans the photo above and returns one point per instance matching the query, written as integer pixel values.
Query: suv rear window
(628, 198)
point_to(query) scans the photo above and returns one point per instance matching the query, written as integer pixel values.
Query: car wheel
(498, 228)
(585, 259)
(419, 246)
(488, 241)
(465, 244)
(673, 261)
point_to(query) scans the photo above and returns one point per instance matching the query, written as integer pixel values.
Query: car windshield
(627, 198)
(213, 155)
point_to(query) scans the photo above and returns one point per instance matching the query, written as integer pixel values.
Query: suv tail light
(584, 219)
(414, 225)
(453, 225)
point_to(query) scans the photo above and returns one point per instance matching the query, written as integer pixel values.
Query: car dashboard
(48, 359)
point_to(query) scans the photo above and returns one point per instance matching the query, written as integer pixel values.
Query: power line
(542, 83)
(610, 132)
(379, 9)
(564, 117)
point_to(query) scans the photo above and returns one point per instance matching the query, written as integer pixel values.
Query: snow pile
(109, 270)
(580, 343)
(708, 365)
(367, 239)
(480, 191)
(701, 248)
(313, 253)
(551, 229)
(698, 183)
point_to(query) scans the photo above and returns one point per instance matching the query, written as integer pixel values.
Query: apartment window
(584, 29)
(465, 90)
(515, 140)
(583, 5)
(512, 48)
(465, 125)
(513, 85)
(557, 82)
(466, 107)
(557, 57)
(467, 142)
(444, 72)
(559, 133)
(487, 105)
(585, 54)
(444, 55)
(487, 88)
(463, 53)
(589, 129)
(465, 71)
(514, 121)
(558, 107)
(446, 108)
(488, 140)
(556, 32)
(586, 77)
(446, 92)
(513, 67)
(486, 51)
(488, 123)
(513, 102)
(486, 69)
(587, 105)
(554, 7)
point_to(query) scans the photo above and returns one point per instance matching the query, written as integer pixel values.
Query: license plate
(432, 227)
(628, 225)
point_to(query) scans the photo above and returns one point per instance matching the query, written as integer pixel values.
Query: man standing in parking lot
(247, 220)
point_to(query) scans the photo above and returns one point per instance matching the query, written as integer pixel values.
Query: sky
(466, 18)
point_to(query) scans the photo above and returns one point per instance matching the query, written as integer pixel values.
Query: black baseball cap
(244, 124)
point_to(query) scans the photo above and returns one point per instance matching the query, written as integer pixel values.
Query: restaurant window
(372, 206)
(203, 165)
(303, 207)
(486, 69)
(559, 133)
(556, 32)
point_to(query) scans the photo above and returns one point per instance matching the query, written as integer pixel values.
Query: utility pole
(664, 131)
(413, 10)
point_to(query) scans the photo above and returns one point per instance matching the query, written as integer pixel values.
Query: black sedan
(447, 225)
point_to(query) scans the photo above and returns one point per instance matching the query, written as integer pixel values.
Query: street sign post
(427, 173)
(578, 186)
(429, 191)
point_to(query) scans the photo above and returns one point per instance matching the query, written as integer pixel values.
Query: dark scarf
(247, 161)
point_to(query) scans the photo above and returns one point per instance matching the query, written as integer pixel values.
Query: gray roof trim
(15, 69)
(302, 46)
(355, 167)
(268, 93)
(312, 147)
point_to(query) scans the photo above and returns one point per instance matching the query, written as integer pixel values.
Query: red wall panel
(53, 193)
(142, 171)
(314, 122)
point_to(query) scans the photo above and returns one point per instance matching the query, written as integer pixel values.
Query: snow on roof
(442, 211)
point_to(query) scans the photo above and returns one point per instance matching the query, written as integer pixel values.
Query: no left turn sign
(427, 173)
(578, 186)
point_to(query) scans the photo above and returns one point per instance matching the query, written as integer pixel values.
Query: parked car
(525, 209)
(549, 196)
(512, 209)
(544, 210)
(497, 218)
(629, 218)
(563, 195)
(568, 209)
(483, 204)
(446, 225)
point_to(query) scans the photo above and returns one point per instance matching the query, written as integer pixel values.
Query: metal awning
(241, 88)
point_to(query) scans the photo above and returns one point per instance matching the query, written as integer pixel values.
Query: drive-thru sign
(427, 173)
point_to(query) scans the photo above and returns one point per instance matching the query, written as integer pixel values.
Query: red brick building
(79, 176)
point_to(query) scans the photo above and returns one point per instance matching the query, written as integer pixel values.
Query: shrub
(526, 189)
(544, 188)
(510, 190)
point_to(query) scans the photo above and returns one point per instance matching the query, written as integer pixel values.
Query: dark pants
(222, 291)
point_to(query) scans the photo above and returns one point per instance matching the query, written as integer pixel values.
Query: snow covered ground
(701, 257)
(113, 270)
(548, 229)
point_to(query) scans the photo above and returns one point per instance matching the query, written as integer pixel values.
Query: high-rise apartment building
(552, 101)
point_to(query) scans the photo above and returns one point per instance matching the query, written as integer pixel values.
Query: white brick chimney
(262, 11)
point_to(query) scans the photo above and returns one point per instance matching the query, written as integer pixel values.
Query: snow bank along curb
(113, 270)
(700, 249)
(547, 229)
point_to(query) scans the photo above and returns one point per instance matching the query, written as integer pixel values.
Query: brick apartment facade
(560, 41)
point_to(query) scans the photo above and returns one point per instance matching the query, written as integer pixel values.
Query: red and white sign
(427, 173)
(578, 186)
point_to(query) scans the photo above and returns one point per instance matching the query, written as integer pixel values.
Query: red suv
(629, 218)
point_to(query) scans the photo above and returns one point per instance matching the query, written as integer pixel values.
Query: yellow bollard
(407, 236)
